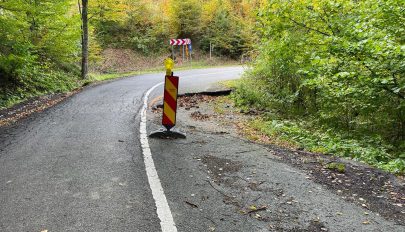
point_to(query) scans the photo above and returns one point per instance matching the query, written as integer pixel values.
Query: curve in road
(78, 166)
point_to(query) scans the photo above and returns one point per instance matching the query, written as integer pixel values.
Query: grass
(37, 83)
(186, 66)
(336, 167)
(232, 84)
(58, 82)
(308, 134)
(304, 134)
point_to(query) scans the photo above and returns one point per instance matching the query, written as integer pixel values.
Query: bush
(339, 64)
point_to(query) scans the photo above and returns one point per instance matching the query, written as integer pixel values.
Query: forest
(330, 76)
(40, 40)
(325, 75)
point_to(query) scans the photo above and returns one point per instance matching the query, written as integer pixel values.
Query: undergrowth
(309, 134)
(36, 83)
(305, 135)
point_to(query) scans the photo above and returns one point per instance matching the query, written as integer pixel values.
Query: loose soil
(26, 108)
(368, 187)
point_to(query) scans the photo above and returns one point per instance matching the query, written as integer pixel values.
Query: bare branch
(307, 27)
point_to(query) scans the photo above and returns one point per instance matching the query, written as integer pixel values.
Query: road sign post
(183, 43)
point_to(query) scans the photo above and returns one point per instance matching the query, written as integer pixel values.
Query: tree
(228, 25)
(185, 18)
(337, 63)
(85, 37)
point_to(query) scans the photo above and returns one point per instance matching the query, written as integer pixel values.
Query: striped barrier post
(170, 95)
(170, 101)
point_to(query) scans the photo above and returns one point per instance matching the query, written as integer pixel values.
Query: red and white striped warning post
(179, 42)
(184, 45)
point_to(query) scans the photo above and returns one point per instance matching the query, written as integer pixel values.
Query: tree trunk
(85, 39)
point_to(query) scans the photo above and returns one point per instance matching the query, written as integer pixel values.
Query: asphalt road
(225, 177)
(78, 166)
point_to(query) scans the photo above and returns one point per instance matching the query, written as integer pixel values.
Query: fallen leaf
(252, 207)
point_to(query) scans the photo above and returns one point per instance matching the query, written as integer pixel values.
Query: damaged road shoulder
(216, 179)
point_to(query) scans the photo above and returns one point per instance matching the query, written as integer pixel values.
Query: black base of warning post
(167, 134)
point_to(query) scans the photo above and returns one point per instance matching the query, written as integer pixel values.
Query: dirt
(220, 166)
(120, 60)
(197, 115)
(26, 108)
(369, 187)
(360, 184)
(192, 101)
(116, 60)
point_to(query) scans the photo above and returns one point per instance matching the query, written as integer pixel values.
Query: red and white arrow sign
(175, 42)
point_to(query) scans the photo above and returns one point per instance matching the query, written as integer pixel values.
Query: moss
(339, 167)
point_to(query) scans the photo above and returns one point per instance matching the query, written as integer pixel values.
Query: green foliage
(230, 33)
(40, 40)
(368, 149)
(38, 44)
(147, 26)
(127, 24)
(336, 167)
(339, 64)
(34, 80)
(185, 18)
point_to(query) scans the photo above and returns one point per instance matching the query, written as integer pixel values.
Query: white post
(183, 53)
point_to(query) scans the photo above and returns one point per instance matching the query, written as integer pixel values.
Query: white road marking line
(162, 207)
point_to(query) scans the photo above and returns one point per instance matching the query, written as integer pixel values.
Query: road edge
(162, 207)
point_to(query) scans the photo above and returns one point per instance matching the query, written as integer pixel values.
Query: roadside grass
(58, 82)
(232, 84)
(307, 134)
(37, 84)
(184, 66)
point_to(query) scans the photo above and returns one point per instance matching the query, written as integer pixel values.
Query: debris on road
(191, 204)
(34, 105)
(375, 190)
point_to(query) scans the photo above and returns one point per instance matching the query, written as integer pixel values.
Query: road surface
(79, 166)
(88, 165)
